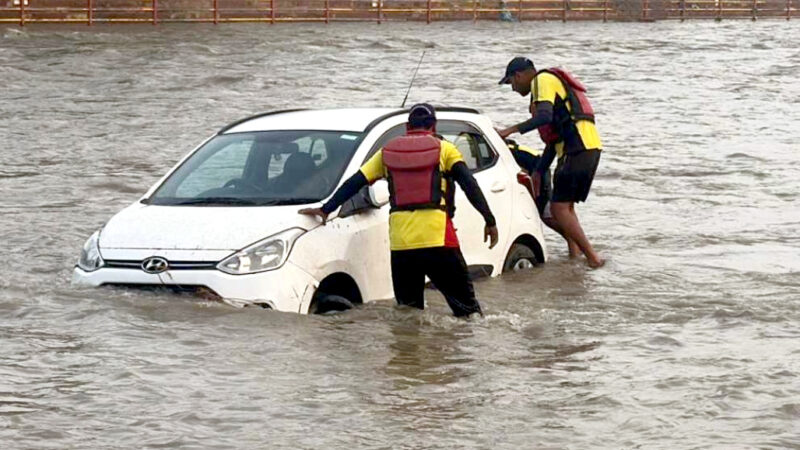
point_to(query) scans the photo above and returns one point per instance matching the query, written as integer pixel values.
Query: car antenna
(412, 79)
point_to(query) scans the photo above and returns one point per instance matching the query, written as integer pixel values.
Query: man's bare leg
(574, 250)
(564, 213)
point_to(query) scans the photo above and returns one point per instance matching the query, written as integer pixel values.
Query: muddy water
(688, 338)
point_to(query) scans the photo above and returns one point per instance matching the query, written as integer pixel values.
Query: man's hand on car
(316, 212)
(490, 232)
(504, 132)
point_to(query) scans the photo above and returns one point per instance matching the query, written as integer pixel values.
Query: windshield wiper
(217, 201)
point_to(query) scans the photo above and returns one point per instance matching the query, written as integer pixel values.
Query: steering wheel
(241, 182)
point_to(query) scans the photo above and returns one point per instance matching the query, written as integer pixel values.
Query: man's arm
(369, 172)
(347, 190)
(543, 116)
(464, 178)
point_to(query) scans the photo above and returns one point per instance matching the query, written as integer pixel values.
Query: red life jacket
(415, 181)
(580, 108)
(548, 134)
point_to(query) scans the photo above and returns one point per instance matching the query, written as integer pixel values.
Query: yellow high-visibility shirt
(421, 228)
(546, 87)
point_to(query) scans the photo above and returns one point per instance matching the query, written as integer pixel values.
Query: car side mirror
(378, 193)
(369, 197)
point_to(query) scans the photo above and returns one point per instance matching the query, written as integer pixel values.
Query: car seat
(298, 167)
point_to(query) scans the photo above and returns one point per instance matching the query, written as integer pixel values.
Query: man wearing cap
(421, 233)
(562, 114)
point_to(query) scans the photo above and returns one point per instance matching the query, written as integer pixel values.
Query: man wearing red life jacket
(565, 121)
(421, 234)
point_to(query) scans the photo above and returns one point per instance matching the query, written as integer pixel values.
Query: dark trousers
(446, 268)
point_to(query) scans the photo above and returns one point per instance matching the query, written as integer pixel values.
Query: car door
(485, 165)
(372, 224)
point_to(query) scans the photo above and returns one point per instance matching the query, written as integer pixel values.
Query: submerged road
(688, 338)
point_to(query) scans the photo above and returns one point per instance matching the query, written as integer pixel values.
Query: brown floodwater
(687, 338)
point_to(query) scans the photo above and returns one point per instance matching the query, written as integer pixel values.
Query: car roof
(339, 119)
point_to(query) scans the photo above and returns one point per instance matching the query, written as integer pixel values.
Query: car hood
(154, 227)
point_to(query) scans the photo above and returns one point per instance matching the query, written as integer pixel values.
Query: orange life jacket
(415, 181)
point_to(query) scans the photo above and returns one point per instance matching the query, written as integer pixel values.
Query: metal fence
(273, 11)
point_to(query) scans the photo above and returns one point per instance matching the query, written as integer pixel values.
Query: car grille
(173, 265)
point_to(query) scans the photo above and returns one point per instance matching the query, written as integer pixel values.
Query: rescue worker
(565, 121)
(421, 234)
(528, 160)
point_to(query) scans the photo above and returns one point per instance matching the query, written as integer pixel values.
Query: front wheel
(328, 303)
(520, 257)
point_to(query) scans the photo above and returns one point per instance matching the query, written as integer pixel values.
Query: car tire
(520, 257)
(329, 303)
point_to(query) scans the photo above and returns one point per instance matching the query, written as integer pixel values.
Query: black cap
(517, 64)
(422, 110)
(422, 115)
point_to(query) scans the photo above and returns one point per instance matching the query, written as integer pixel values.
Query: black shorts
(573, 176)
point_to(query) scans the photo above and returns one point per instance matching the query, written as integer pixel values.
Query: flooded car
(225, 219)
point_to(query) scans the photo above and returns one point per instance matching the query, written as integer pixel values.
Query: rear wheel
(520, 257)
(329, 303)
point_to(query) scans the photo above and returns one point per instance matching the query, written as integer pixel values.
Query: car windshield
(260, 168)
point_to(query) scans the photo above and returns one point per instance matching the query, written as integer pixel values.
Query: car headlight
(267, 254)
(90, 259)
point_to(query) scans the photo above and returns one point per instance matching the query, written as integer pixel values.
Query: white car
(225, 218)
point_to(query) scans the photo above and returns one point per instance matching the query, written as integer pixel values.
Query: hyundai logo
(155, 264)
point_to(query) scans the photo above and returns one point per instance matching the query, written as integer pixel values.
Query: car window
(474, 148)
(276, 163)
(314, 147)
(269, 167)
(397, 130)
(318, 151)
(226, 164)
(466, 144)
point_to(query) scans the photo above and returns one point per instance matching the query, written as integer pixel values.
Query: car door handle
(498, 186)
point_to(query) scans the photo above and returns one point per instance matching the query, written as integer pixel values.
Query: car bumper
(286, 289)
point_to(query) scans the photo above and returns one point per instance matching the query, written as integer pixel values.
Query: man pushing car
(423, 241)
